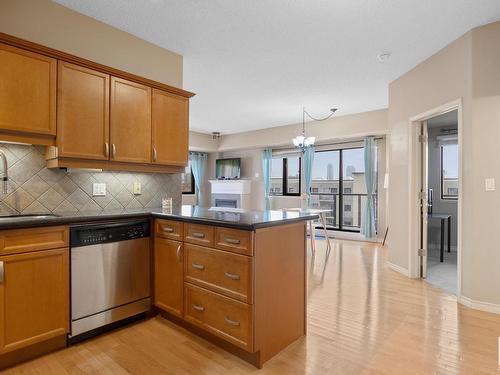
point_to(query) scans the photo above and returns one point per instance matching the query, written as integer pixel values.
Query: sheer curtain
(199, 166)
(368, 220)
(267, 157)
(308, 166)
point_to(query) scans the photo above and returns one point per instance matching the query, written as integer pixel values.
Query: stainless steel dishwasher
(110, 275)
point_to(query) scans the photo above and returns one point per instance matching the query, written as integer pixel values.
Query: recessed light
(383, 56)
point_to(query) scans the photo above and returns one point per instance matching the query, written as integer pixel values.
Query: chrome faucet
(5, 177)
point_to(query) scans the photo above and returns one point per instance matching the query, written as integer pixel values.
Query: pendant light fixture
(301, 141)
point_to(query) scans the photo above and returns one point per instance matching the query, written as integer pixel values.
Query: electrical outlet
(489, 184)
(137, 188)
(98, 189)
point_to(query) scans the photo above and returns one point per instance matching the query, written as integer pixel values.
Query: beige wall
(336, 128)
(469, 68)
(202, 142)
(52, 25)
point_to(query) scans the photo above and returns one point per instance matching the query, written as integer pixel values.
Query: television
(227, 169)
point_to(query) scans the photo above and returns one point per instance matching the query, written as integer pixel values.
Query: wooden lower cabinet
(253, 305)
(224, 317)
(34, 297)
(169, 276)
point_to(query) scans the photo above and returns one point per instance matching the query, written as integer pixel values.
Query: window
(187, 180)
(285, 176)
(339, 187)
(449, 171)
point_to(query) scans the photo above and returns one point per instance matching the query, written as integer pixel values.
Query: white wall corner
(479, 305)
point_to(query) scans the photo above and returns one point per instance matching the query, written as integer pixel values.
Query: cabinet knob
(233, 241)
(197, 266)
(155, 154)
(198, 307)
(178, 253)
(113, 150)
(231, 322)
(232, 276)
(106, 148)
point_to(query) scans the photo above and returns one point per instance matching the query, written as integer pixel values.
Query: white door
(423, 192)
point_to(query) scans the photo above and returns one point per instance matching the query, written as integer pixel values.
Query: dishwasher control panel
(93, 234)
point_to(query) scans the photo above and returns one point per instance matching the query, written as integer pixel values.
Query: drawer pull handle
(2, 272)
(200, 267)
(198, 307)
(106, 148)
(231, 322)
(232, 276)
(113, 151)
(198, 234)
(233, 241)
(178, 253)
(168, 229)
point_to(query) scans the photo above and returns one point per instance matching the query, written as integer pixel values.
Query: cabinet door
(82, 112)
(170, 128)
(169, 275)
(130, 130)
(34, 297)
(27, 91)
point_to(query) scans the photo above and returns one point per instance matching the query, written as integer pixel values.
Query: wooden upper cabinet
(130, 121)
(82, 112)
(27, 92)
(170, 115)
(34, 298)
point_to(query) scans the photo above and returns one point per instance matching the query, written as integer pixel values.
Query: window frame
(193, 187)
(284, 179)
(444, 196)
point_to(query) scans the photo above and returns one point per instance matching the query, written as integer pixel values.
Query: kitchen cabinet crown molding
(50, 52)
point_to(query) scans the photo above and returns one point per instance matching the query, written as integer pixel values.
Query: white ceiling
(254, 63)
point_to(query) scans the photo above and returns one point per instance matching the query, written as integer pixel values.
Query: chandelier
(301, 141)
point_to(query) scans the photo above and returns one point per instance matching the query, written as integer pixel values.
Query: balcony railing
(352, 210)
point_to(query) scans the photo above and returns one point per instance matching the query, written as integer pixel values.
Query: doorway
(439, 204)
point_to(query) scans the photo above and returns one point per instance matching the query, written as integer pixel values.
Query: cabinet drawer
(17, 241)
(220, 271)
(199, 234)
(222, 316)
(238, 241)
(169, 229)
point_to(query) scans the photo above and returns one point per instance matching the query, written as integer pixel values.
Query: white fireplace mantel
(239, 187)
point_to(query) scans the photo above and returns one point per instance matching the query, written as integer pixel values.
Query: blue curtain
(199, 166)
(267, 157)
(368, 219)
(308, 166)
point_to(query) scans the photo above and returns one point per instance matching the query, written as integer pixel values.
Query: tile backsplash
(35, 189)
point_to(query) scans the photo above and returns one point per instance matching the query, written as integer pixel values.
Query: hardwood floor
(363, 319)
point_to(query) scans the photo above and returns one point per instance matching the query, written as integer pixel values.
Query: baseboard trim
(401, 270)
(479, 305)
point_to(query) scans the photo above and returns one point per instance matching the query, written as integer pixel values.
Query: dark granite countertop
(239, 219)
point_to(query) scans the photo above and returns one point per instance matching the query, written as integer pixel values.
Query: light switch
(137, 188)
(98, 189)
(489, 184)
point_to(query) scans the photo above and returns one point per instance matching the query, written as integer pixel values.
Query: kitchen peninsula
(237, 279)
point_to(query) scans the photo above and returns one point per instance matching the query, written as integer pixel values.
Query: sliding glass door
(339, 187)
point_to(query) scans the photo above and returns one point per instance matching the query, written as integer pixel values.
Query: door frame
(414, 183)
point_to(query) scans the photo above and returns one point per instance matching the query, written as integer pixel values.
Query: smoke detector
(383, 56)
